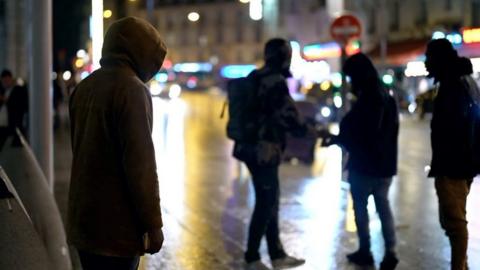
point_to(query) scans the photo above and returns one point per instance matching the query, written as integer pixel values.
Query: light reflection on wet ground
(207, 200)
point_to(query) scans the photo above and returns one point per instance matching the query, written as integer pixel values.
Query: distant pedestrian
(13, 108)
(369, 133)
(57, 103)
(114, 208)
(271, 115)
(452, 163)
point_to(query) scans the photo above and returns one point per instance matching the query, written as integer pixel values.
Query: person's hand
(328, 140)
(153, 241)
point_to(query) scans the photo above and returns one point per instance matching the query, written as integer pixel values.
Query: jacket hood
(136, 43)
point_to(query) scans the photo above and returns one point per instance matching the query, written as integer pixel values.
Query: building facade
(13, 37)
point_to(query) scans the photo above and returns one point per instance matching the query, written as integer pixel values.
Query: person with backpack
(453, 162)
(369, 133)
(261, 113)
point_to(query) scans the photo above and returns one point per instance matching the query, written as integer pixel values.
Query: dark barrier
(30, 183)
(20, 245)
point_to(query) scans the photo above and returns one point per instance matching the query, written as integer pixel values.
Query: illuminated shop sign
(328, 50)
(471, 35)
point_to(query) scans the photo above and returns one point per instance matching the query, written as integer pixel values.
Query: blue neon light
(236, 71)
(192, 67)
(161, 77)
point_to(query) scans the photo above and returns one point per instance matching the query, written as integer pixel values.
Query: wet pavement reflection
(207, 199)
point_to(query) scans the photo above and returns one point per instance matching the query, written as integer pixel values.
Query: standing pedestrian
(114, 208)
(452, 163)
(369, 133)
(13, 108)
(273, 114)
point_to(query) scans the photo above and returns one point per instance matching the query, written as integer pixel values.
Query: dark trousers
(361, 187)
(98, 262)
(452, 201)
(265, 215)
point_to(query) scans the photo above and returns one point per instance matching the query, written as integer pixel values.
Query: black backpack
(243, 103)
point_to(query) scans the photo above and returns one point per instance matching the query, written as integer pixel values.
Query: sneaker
(256, 265)
(389, 262)
(361, 258)
(287, 262)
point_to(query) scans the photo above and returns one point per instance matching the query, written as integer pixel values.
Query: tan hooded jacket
(114, 192)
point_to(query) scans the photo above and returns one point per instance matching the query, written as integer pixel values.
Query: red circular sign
(345, 28)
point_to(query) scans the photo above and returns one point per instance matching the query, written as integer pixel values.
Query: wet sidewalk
(207, 200)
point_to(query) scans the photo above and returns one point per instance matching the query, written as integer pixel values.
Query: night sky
(68, 20)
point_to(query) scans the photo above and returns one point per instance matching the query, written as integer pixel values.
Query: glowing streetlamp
(193, 16)
(256, 10)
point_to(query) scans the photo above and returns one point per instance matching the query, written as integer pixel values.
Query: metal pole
(383, 34)
(40, 93)
(344, 89)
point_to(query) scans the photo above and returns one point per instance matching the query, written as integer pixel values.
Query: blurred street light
(81, 53)
(107, 14)
(256, 10)
(193, 16)
(79, 63)
(244, 1)
(67, 75)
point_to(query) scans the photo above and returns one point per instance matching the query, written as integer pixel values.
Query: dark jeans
(452, 201)
(265, 215)
(98, 262)
(361, 187)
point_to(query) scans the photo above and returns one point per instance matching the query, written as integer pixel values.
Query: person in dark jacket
(114, 207)
(452, 164)
(369, 133)
(13, 108)
(276, 115)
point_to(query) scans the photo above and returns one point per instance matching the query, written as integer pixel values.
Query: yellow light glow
(107, 13)
(79, 63)
(471, 35)
(244, 1)
(325, 85)
(193, 16)
(132, 0)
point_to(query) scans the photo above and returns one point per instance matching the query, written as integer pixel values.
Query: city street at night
(207, 200)
(240, 134)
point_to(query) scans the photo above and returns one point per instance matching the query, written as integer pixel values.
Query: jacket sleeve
(138, 156)
(361, 126)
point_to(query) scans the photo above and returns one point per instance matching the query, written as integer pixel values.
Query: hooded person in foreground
(114, 206)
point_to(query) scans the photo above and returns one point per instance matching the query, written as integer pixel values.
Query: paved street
(207, 198)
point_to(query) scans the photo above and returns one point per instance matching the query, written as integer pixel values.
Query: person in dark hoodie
(114, 207)
(369, 133)
(452, 163)
(275, 115)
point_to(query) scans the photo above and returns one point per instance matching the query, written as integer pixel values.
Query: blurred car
(303, 149)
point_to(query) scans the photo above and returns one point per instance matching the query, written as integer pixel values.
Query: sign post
(344, 29)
